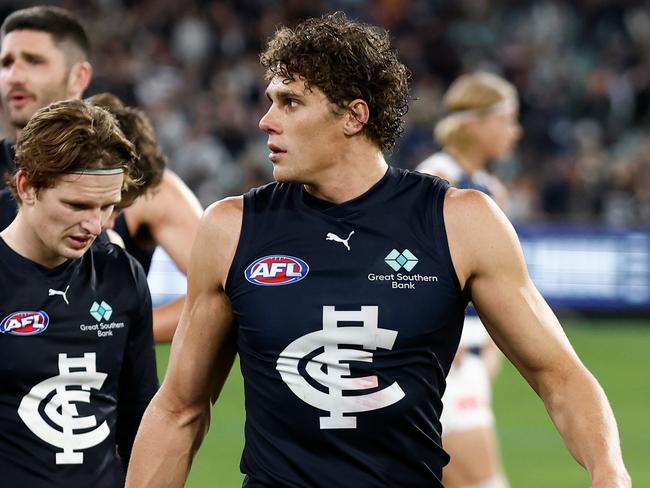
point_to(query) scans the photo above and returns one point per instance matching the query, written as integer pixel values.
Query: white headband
(98, 171)
(503, 106)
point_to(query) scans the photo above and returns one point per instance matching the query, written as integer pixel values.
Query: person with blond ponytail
(480, 126)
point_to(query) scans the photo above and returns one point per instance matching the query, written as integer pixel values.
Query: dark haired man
(44, 57)
(343, 285)
(76, 338)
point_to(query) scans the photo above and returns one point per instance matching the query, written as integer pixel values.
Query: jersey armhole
(440, 232)
(245, 238)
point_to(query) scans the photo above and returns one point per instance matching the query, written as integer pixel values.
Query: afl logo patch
(276, 270)
(25, 323)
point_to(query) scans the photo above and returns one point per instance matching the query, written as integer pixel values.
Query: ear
(26, 192)
(79, 78)
(357, 117)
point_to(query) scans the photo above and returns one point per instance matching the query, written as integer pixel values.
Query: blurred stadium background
(579, 181)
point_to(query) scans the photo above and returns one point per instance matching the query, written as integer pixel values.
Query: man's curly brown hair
(346, 60)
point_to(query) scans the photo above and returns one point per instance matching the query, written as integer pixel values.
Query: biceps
(203, 348)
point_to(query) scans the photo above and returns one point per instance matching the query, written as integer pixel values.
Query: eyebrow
(22, 54)
(283, 94)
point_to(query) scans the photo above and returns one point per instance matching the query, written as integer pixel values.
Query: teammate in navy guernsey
(76, 337)
(44, 57)
(480, 126)
(343, 374)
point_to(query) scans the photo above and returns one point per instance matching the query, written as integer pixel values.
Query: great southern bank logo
(276, 270)
(398, 260)
(101, 311)
(402, 263)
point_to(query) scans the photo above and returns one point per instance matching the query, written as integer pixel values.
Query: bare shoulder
(218, 236)
(467, 204)
(169, 200)
(224, 216)
(172, 185)
(478, 232)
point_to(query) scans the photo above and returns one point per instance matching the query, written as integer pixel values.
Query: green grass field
(617, 352)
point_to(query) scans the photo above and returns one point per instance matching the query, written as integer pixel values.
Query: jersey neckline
(373, 195)
(29, 266)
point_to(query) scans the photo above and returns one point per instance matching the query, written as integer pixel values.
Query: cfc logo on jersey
(25, 323)
(276, 270)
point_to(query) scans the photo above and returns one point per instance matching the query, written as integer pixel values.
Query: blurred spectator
(582, 68)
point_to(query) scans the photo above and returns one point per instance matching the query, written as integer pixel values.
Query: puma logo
(333, 237)
(52, 292)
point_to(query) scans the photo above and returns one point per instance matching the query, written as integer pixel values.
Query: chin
(73, 253)
(283, 176)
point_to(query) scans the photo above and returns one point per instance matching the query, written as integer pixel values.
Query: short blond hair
(472, 94)
(69, 137)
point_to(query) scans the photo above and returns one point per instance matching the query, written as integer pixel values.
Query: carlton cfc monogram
(61, 409)
(336, 358)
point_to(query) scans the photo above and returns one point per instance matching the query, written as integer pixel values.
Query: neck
(356, 172)
(25, 243)
(469, 158)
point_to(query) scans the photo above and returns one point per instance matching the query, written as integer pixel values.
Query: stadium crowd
(582, 69)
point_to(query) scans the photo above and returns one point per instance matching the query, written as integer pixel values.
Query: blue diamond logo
(101, 311)
(398, 260)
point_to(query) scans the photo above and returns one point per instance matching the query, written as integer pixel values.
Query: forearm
(165, 320)
(165, 446)
(582, 414)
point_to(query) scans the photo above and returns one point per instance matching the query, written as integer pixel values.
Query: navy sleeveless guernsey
(348, 318)
(143, 255)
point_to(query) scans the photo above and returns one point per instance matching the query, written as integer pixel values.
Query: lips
(276, 152)
(19, 98)
(80, 242)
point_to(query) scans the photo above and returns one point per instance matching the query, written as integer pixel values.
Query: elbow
(170, 409)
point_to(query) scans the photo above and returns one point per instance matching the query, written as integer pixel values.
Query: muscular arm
(171, 216)
(490, 265)
(202, 354)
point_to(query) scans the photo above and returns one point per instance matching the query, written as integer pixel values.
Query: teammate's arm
(202, 354)
(171, 213)
(138, 380)
(491, 268)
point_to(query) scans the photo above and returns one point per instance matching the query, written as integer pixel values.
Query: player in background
(44, 56)
(149, 166)
(343, 286)
(480, 126)
(76, 339)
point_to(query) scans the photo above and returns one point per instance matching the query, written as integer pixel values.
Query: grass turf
(616, 351)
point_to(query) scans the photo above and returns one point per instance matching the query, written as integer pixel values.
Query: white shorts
(467, 399)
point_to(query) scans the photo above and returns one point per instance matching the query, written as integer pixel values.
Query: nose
(92, 223)
(268, 123)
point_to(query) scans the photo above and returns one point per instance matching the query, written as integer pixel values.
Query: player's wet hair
(71, 137)
(346, 60)
(136, 126)
(470, 96)
(58, 22)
